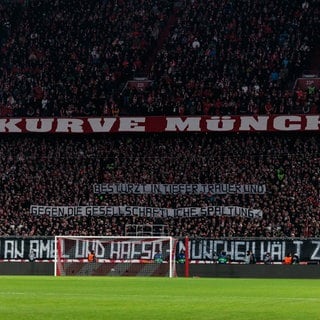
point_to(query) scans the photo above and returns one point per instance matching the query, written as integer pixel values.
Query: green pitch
(79, 298)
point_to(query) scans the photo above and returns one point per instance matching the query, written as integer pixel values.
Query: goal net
(114, 256)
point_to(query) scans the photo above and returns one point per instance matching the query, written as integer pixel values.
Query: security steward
(287, 259)
(92, 256)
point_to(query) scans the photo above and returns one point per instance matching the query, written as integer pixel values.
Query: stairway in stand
(163, 36)
(315, 62)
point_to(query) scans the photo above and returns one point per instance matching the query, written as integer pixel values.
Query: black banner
(200, 249)
(13, 248)
(207, 249)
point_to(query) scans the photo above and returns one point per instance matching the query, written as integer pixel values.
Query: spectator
(32, 256)
(223, 258)
(267, 259)
(181, 258)
(250, 257)
(158, 257)
(295, 259)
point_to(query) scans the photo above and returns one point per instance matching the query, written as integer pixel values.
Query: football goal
(114, 256)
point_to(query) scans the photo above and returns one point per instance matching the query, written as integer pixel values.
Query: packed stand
(71, 58)
(233, 57)
(61, 171)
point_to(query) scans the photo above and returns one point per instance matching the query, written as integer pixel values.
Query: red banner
(264, 123)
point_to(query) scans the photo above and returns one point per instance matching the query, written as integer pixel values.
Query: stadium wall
(27, 268)
(196, 270)
(309, 271)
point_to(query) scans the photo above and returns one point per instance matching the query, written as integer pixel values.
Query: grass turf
(27, 297)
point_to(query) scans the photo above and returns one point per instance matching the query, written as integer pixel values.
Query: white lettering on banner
(102, 124)
(109, 211)
(10, 125)
(13, 249)
(298, 244)
(124, 250)
(316, 253)
(216, 188)
(236, 249)
(199, 249)
(186, 124)
(17, 248)
(312, 123)
(132, 125)
(253, 124)
(42, 249)
(162, 124)
(82, 248)
(220, 124)
(288, 123)
(39, 125)
(69, 125)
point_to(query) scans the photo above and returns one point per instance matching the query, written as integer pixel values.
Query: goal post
(115, 256)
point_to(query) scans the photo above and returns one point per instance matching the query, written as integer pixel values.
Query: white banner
(215, 188)
(109, 211)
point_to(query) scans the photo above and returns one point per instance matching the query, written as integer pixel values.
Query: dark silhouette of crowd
(68, 58)
(74, 58)
(235, 57)
(61, 170)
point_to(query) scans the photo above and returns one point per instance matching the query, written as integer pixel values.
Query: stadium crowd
(74, 58)
(68, 58)
(61, 171)
(236, 57)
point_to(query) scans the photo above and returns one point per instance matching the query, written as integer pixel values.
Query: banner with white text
(111, 211)
(215, 188)
(257, 123)
(201, 249)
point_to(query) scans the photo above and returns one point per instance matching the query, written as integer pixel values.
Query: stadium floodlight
(114, 256)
